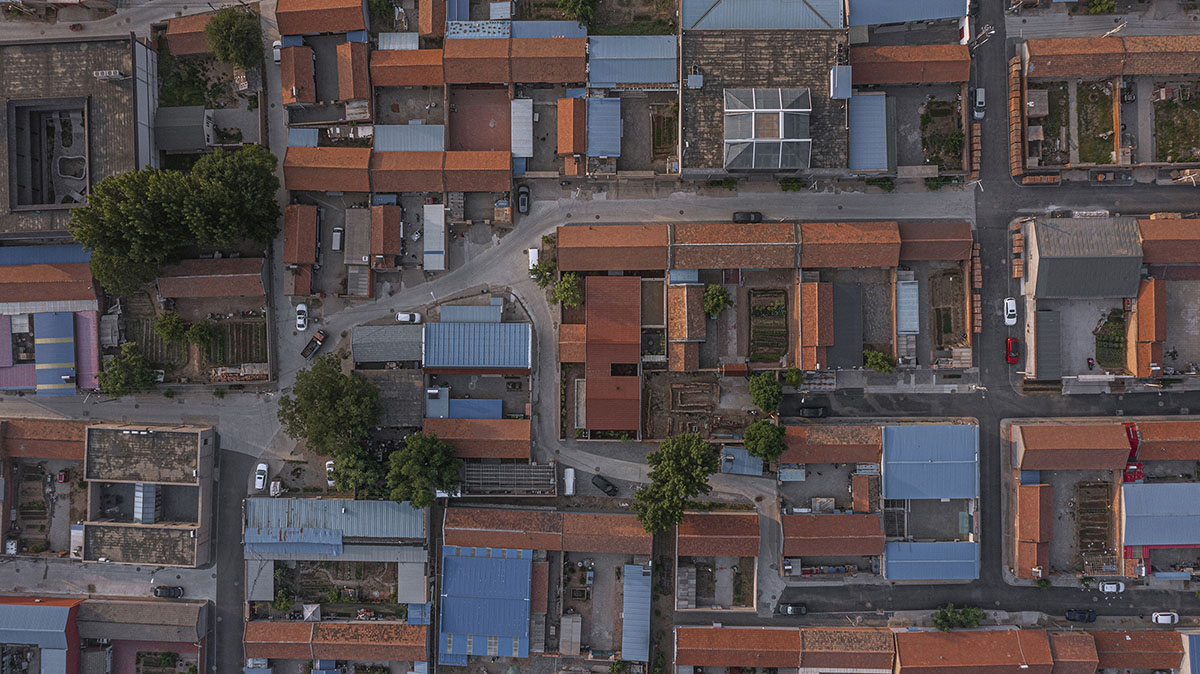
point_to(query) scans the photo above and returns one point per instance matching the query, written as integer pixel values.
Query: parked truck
(313, 344)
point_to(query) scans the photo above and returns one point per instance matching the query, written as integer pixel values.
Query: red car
(1012, 350)
(63, 476)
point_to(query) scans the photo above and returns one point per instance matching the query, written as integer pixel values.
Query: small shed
(187, 128)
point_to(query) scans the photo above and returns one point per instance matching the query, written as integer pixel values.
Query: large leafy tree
(239, 191)
(568, 290)
(679, 472)
(766, 391)
(171, 327)
(356, 471)
(764, 440)
(127, 373)
(134, 223)
(235, 36)
(328, 409)
(422, 465)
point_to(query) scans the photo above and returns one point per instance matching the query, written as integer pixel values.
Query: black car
(747, 216)
(1080, 615)
(793, 609)
(604, 485)
(168, 591)
(523, 199)
(812, 412)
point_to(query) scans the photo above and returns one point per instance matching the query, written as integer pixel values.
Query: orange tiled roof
(432, 17)
(618, 533)
(296, 75)
(849, 244)
(1152, 310)
(475, 171)
(354, 82)
(770, 245)
(539, 593)
(832, 535)
(303, 17)
(503, 528)
(920, 240)
(864, 492)
(717, 534)
(1139, 649)
(299, 234)
(1168, 440)
(484, 438)
(407, 68)
(683, 356)
(571, 338)
(974, 652)
(1035, 512)
(42, 439)
(407, 171)
(469, 61)
(737, 646)
(387, 230)
(1031, 554)
(1101, 446)
(572, 126)
(1073, 652)
(914, 64)
(300, 280)
(815, 316)
(370, 641)
(47, 283)
(320, 169)
(605, 247)
(278, 640)
(613, 309)
(226, 277)
(549, 60)
(1132, 55)
(832, 444)
(1170, 241)
(830, 649)
(186, 35)
(685, 313)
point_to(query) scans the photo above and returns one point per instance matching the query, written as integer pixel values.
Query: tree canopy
(171, 327)
(128, 373)
(766, 391)
(578, 10)
(764, 440)
(328, 409)
(422, 465)
(679, 471)
(716, 299)
(568, 290)
(793, 377)
(878, 361)
(235, 36)
(239, 191)
(201, 333)
(355, 470)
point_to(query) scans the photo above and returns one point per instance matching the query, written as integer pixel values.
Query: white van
(339, 234)
(980, 103)
(533, 260)
(568, 482)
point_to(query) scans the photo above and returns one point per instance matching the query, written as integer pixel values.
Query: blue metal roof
(485, 593)
(418, 614)
(291, 41)
(54, 661)
(635, 615)
(54, 352)
(356, 36)
(458, 10)
(292, 540)
(741, 463)
(71, 253)
(840, 82)
(683, 276)
(1161, 514)
(761, 14)
(930, 461)
(1031, 477)
(1193, 650)
(632, 59)
(952, 560)
(525, 29)
(472, 313)
(868, 133)
(472, 408)
(300, 137)
(875, 12)
(410, 137)
(604, 127)
(361, 519)
(41, 626)
(502, 346)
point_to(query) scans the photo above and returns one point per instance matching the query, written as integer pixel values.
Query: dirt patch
(768, 325)
(1094, 107)
(1092, 510)
(1177, 127)
(942, 135)
(680, 402)
(568, 373)
(1052, 149)
(664, 123)
(947, 309)
(632, 17)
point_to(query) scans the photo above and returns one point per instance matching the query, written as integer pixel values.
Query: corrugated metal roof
(762, 14)
(1087, 257)
(632, 59)
(385, 343)
(868, 133)
(635, 615)
(12, 256)
(908, 309)
(840, 78)
(604, 127)
(457, 10)
(410, 137)
(360, 519)
(410, 582)
(521, 121)
(738, 461)
(437, 406)
(1193, 650)
(33, 624)
(54, 352)
(952, 560)
(683, 276)
(1048, 326)
(435, 238)
(1161, 514)
(472, 313)
(399, 41)
(875, 12)
(485, 592)
(293, 541)
(260, 580)
(54, 661)
(923, 461)
(478, 346)
(474, 408)
(532, 29)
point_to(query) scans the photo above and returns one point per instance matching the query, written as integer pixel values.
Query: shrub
(948, 618)
(1101, 6)
(568, 291)
(879, 362)
(793, 377)
(766, 391)
(716, 299)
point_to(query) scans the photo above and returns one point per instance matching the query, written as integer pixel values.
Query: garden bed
(1055, 125)
(1110, 341)
(1094, 107)
(768, 325)
(633, 17)
(942, 135)
(1177, 128)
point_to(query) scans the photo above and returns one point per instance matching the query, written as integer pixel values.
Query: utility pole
(1115, 30)
(984, 33)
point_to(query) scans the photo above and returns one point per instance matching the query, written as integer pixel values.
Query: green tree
(171, 327)
(568, 291)
(239, 189)
(578, 10)
(329, 409)
(679, 471)
(134, 223)
(422, 465)
(543, 272)
(764, 440)
(766, 391)
(128, 373)
(716, 299)
(283, 599)
(201, 334)
(618, 666)
(878, 361)
(355, 470)
(1102, 6)
(793, 377)
(235, 36)
(949, 618)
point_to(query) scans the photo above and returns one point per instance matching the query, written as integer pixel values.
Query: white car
(408, 317)
(275, 47)
(1010, 311)
(260, 477)
(1165, 618)
(301, 317)
(329, 473)
(1112, 587)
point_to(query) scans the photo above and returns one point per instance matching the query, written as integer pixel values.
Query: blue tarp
(54, 352)
(72, 253)
(635, 614)
(953, 560)
(289, 540)
(485, 593)
(472, 408)
(875, 12)
(930, 461)
(604, 127)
